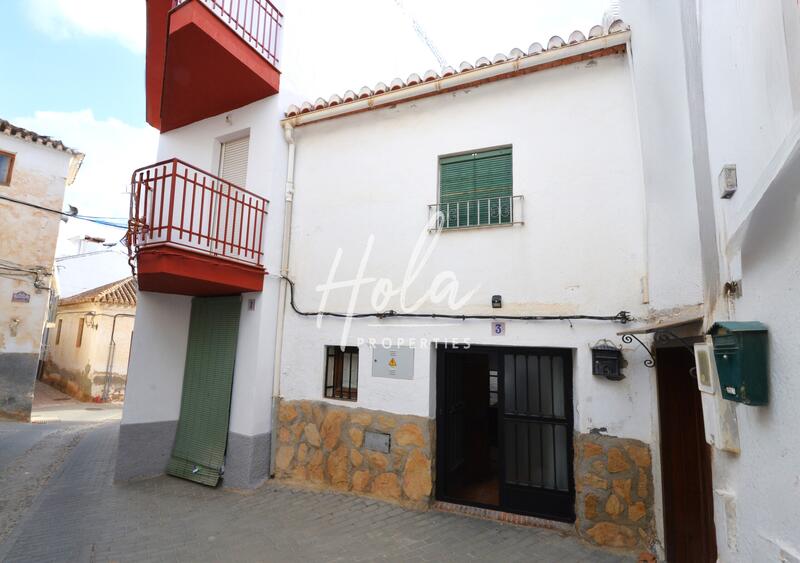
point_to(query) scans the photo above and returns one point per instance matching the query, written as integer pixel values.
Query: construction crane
(422, 35)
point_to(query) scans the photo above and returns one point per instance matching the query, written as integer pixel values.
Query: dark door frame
(441, 431)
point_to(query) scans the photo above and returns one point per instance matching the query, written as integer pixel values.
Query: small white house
(500, 208)
(89, 346)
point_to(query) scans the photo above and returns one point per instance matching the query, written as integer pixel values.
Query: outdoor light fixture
(497, 301)
(607, 361)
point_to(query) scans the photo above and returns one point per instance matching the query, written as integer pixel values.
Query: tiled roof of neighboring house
(27, 135)
(122, 292)
(596, 34)
(83, 272)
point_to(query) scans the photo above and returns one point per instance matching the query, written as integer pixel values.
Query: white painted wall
(659, 80)
(576, 161)
(155, 374)
(92, 356)
(199, 145)
(28, 237)
(750, 78)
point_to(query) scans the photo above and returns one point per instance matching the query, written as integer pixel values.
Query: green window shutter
(199, 451)
(476, 189)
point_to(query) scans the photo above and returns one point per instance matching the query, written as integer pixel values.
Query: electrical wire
(107, 221)
(621, 317)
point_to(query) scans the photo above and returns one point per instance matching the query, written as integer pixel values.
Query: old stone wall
(326, 445)
(614, 487)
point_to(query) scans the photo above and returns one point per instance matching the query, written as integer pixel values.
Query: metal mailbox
(740, 353)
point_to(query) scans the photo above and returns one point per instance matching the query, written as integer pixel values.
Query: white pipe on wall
(288, 135)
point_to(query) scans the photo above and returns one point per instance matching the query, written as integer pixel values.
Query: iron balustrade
(258, 22)
(483, 212)
(174, 203)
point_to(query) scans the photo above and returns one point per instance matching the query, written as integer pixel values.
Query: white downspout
(288, 135)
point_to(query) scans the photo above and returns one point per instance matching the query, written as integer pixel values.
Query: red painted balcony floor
(166, 269)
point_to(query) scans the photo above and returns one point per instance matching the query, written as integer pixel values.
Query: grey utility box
(396, 362)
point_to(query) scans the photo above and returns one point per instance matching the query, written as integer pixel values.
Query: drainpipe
(288, 135)
(111, 347)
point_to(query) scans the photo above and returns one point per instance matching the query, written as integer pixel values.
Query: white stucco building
(578, 186)
(88, 349)
(34, 171)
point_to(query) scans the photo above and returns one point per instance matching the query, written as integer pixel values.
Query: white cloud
(113, 151)
(122, 20)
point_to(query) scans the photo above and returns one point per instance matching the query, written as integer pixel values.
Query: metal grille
(485, 212)
(537, 423)
(341, 373)
(258, 22)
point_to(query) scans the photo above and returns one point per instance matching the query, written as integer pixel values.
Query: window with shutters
(476, 189)
(79, 337)
(233, 161)
(341, 373)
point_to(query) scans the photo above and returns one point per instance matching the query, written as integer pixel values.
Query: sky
(74, 69)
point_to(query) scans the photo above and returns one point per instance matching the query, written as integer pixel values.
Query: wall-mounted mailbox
(607, 361)
(740, 353)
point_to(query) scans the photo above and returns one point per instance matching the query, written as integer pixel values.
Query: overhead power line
(117, 222)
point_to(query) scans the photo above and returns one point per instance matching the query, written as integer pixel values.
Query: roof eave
(465, 78)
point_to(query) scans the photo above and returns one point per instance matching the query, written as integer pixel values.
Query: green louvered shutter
(199, 451)
(476, 189)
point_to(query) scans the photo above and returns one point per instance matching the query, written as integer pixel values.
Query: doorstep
(500, 516)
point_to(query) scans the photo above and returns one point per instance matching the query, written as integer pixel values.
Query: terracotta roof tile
(122, 292)
(27, 135)
(555, 42)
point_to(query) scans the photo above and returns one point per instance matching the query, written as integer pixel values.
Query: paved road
(71, 511)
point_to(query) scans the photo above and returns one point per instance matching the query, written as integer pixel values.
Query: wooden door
(685, 462)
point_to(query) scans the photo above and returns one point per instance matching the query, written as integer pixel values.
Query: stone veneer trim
(614, 491)
(322, 444)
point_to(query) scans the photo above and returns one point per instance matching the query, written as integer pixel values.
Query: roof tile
(555, 42)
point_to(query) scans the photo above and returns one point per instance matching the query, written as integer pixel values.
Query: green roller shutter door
(475, 189)
(199, 451)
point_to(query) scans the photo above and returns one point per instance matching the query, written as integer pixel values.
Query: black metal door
(454, 413)
(536, 433)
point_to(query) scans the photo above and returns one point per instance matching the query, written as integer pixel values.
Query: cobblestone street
(71, 511)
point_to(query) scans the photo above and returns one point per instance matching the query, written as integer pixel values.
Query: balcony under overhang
(193, 233)
(201, 63)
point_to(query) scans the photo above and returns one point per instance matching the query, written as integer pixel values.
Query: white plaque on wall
(396, 362)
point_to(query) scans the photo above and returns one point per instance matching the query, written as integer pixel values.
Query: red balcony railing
(176, 204)
(258, 22)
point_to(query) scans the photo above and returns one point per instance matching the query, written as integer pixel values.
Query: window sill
(477, 227)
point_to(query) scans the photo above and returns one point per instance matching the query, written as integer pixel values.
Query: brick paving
(80, 515)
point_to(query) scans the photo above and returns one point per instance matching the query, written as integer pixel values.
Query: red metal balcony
(206, 57)
(193, 233)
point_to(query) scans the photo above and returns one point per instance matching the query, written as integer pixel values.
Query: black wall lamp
(607, 361)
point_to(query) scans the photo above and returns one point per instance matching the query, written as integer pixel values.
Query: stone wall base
(17, 382)
(143, 449)
(329, 446)
(246, 461)
(614, 491)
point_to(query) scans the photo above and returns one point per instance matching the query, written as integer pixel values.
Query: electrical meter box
(740, 353)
